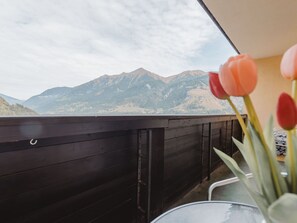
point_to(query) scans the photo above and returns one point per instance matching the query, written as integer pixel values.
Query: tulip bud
(238, 75)
(215, 86)
(289, 63)
(286, 112)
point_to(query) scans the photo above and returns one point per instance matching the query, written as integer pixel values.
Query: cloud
(51, 43)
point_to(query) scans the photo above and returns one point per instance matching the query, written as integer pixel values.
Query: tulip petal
(234, 66)
(248, 75)
(238, 75)
(216, 87)
(227, 80)
(286, 112)
(289, 63)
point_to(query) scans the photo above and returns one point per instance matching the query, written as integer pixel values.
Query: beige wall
(270, 85)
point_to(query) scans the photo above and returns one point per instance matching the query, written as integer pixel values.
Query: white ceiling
(261, 28)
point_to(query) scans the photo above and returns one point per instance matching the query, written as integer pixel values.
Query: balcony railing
(105, 169)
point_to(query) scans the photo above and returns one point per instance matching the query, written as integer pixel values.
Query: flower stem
(294, 90)
(294, 95)
(239, 118)
(291, 157)
(252, 113)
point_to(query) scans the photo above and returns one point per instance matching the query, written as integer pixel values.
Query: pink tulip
(289, 63)
(286, 112)
(238, 75)
(215, 86)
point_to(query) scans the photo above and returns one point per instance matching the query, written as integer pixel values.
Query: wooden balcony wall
(87, 169)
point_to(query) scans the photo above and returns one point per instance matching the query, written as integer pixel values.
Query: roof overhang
(257, 27)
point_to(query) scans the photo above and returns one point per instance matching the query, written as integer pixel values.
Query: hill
(14, 110)
(11, 100)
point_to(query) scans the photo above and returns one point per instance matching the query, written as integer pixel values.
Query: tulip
(289, 63)
(238, 75)
(215, 86)
(286, 112)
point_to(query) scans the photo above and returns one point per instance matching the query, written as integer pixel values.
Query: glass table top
(211, 212)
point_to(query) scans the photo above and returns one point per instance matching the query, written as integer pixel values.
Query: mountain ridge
(136, 92)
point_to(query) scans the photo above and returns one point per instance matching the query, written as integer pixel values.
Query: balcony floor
(234, 192)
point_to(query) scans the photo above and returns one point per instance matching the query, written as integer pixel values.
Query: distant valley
(138, 92)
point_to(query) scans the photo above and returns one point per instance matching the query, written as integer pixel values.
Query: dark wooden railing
(105, 169)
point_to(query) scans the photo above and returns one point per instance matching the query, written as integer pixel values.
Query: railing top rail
(27, 128)
(56, 119)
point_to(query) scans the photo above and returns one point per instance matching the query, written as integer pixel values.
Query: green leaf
(284, 209)
(233, 166)
(270, 174)
(269, 136)
(248, 155)
(241, 148)
(290, 161)
(270, 140)
(254, 166)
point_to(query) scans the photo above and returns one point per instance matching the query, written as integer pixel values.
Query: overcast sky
(50, 43)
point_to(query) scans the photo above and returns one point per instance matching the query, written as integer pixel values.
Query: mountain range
(137, 92)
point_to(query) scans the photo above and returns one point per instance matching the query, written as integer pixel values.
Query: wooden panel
(54, 141)
(175, 166)
(182, 170)
(123, 214)
(177, 145)
(180, 131)
(42, 177)
(16, 161)
(180, 187)
(67, 206)
(102, 206)
(38, 182)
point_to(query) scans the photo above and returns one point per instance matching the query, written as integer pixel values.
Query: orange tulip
(238, 75)
(289, 63)
(286, 112)
(215, 86)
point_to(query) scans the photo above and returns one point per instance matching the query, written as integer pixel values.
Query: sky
(51, 43)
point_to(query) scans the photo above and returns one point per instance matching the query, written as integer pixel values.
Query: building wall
(270, 85)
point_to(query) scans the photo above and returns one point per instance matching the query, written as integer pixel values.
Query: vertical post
(232, 144)
(227, 138)
(209, 150)
(242, 133)
(157, 172)
(150, 185)
(149, 145)
(138, 175)
(142, 185)
(202, 152)
(221, 140)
